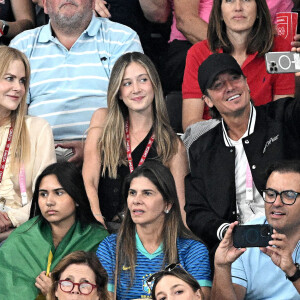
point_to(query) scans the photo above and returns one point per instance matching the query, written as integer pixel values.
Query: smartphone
(245, 236)
(282, 62)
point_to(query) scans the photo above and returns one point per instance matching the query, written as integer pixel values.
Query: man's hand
(296, 47)
(5, 222)
(101, 9)
(226, 253)
(43, 282)
(296, 42)
(281, 254)
(77, 149)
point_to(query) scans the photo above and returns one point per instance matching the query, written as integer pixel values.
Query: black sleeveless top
(110, 190)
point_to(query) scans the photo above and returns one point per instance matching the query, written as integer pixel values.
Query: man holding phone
(271, 272)
(227, 163)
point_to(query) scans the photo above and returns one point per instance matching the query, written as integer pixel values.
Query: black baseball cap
(214, 65)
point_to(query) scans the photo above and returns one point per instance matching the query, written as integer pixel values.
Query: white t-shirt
(247, 209)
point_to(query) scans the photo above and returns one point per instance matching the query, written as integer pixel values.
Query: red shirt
(263, 86)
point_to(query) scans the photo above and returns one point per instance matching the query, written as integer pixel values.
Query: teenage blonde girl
(134, 127)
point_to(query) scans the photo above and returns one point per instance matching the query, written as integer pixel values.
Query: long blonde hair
(112, 143)
(20, 146)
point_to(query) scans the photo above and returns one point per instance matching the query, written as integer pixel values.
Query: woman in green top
(62, 222)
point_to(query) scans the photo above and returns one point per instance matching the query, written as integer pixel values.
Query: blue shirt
(67, 86)
(263, 280)
(193, 257)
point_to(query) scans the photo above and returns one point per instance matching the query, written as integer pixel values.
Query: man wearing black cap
(227, 163)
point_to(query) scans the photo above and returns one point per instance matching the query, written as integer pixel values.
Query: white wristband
(221, 230)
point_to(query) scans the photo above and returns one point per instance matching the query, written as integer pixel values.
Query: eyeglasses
(150, 281)
(287, 197)
(85, 288)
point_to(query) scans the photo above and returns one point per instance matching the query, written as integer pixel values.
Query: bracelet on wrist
(296, 276)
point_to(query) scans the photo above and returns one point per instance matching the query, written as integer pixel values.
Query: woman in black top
(133, 128)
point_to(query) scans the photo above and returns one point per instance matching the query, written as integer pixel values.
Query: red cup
(287, 25)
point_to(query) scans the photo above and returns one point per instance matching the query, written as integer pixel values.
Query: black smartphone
(282, 62)
(245, 236)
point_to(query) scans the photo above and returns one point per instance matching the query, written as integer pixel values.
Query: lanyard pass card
(128, 148)
(22, 182)
(249, 187)
(5, 153)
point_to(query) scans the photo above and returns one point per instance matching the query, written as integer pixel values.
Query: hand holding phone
(226, 253)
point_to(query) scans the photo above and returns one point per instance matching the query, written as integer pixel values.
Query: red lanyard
(5, 153)
(128, 148)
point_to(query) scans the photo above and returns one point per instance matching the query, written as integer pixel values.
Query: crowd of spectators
(99, 197)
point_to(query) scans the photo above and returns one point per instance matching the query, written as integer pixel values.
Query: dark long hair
(260, 38)
(71, 180)
(81, 258)
(173, 226)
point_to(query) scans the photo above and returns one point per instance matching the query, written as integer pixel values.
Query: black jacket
(210, 187)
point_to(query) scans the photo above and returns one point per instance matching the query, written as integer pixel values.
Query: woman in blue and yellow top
(151, 236)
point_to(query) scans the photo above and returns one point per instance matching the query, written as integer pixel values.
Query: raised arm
(92, 161)
(226, 254)
(156, 11)
(24, 17)
(188, 21)
(280, 251)
(179, 169)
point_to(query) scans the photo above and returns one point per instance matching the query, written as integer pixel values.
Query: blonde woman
(26, 143)
(134, 128)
